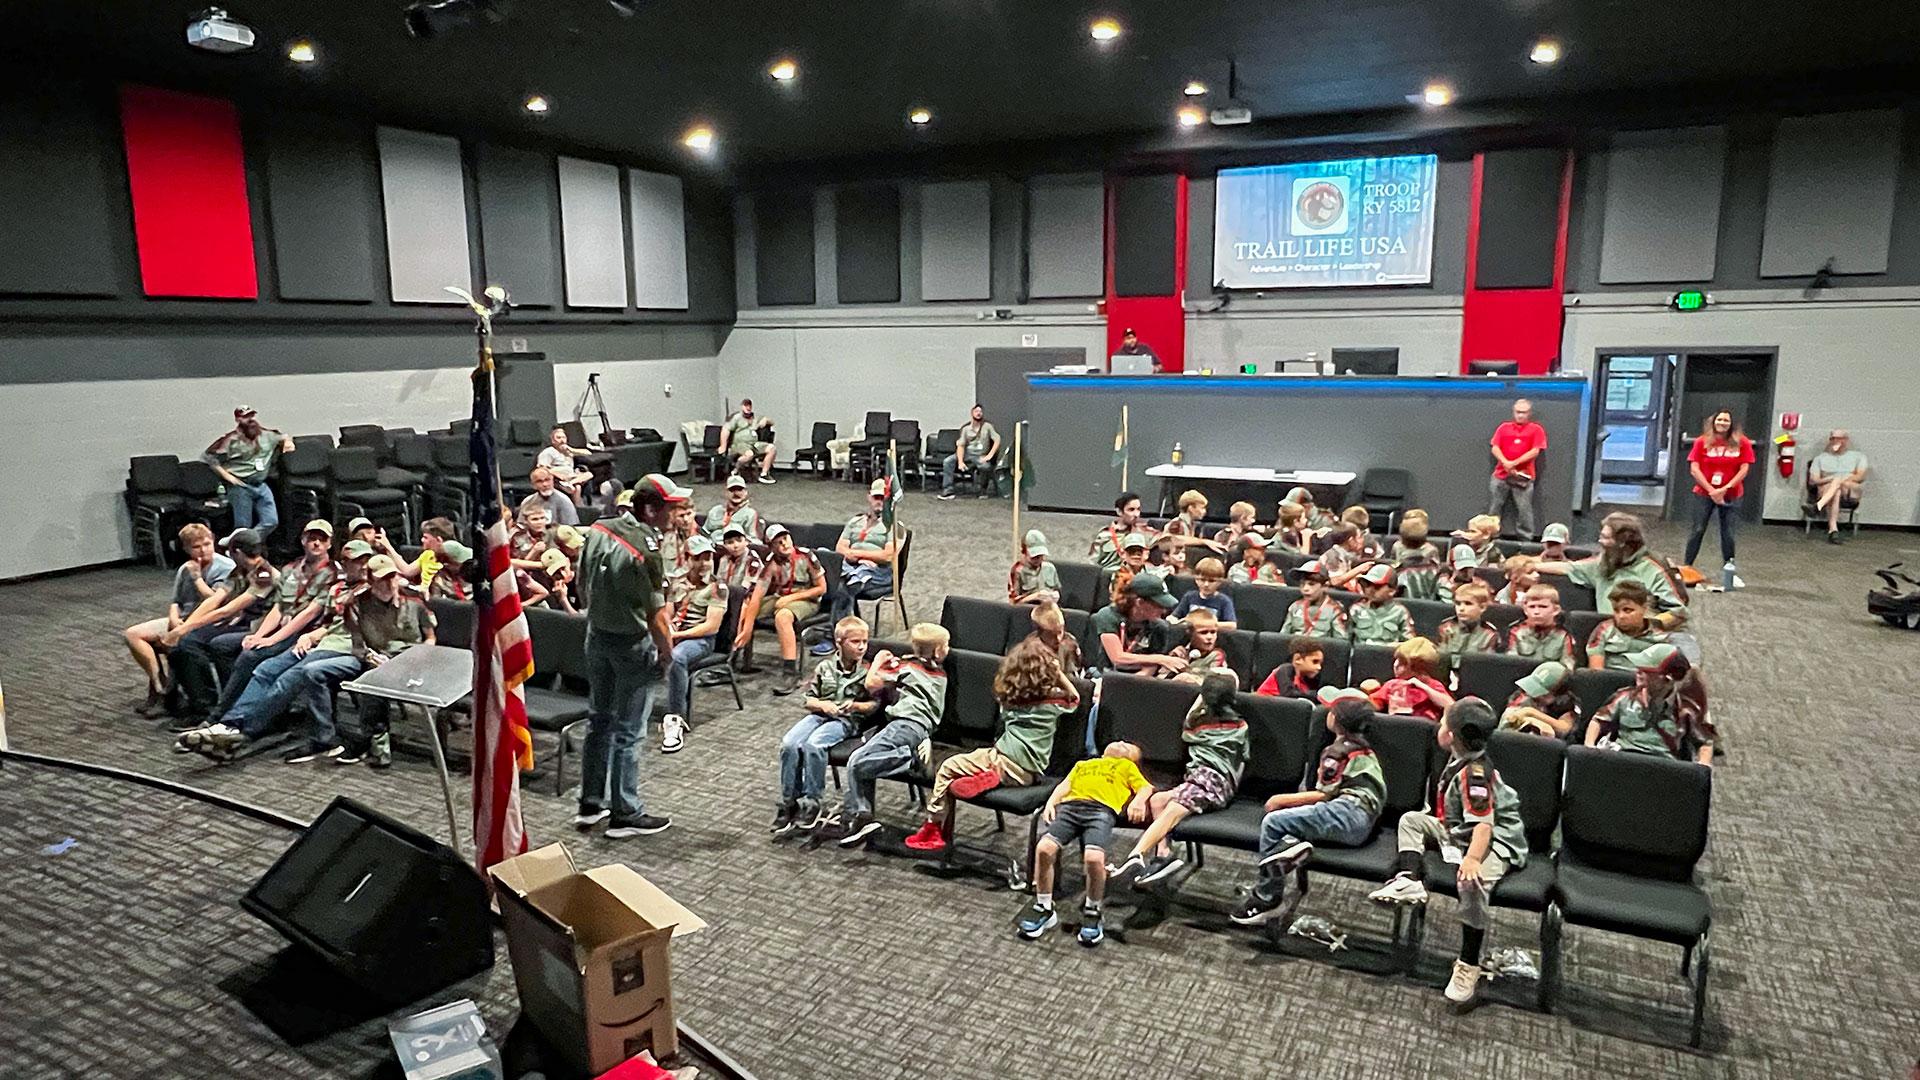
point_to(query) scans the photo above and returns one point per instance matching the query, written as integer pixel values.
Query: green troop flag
(1120, 443)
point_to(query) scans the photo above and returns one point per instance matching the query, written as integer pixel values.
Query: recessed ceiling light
(700, 138)
(920, 117)
(1192, 117)
(1545, 51)
(784, 71)
(301, 52)
(1437, 94)
(1104, 30)
(537, 105)
(1195, 88)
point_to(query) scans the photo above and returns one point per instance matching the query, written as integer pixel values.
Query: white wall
(1427, 333)
(835, 364)
(1846, 360)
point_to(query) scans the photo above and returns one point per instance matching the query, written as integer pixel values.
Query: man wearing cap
(205, 645)
(1517, 445)
(1663, 713)
(304, 584)
(749, 437)
(1109, 542)
(739, 565)
(1133, 634)
(629, 637)
(979, 444)
(384, 621)
(1835, 475)
(734, 513)
(866, 548)
(244, 459)
(1131, 345)
(791, 588)
(548, 496)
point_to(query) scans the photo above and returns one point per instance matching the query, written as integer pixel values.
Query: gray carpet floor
(825, 964)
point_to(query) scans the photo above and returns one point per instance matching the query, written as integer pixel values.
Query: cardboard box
(591, 956)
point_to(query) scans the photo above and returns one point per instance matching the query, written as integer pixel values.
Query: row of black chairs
(1631, 828)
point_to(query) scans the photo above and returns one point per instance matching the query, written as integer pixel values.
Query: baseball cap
(241, 412)
(552, 562)
(878, 487)
(1378, 574)
(1312, 568)
(1556, 533)
(245, 539)
(698, 544)
(736, 481)
(359, 523)
(381, 566)
(1134, 540)
(358, 549)
(319, 525)
(776, 531)
(1543, 680)
(453, 551)
(1330, 694)
(567, 536)
(1153, 589)
(1475, 723)
(1461, 557)
(664, 487)
(1254, 540)
(625, 498)
(732, 531)
(1036, 542)
(1663, 658)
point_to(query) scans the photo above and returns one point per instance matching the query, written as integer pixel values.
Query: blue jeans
(244, 666)
(317, 676)
(1341, 822)
(890, 752)
(200, 662)
(951, 466)
(621, 672)
(679, 675)
(877, 587)
(803, 756)
(253, 507)
(266, 686)
(1703, 511)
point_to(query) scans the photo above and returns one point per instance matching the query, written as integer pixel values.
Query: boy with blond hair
(1206, 595)
(1467, 632)
(837, 707)
(1085, 807)
(1202, 650)
(1482, 535)
(1539, 635)
(913, 689)
(1523, 573)
(1241, 517)
(1413, 691)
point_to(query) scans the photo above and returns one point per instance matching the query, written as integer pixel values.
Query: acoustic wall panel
(956, 241)
(1661, 221)
(60, 216)
(188, 179)
(1830, 193)
(1066, 237)
(424, 192)
(657, 210)
(783, 248)
(593, 234)
(866, 222)
(1519, 218)
(320, 184)
(1146, 219)
(517, 233)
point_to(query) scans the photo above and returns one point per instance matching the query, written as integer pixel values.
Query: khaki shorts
(802, 609)
(749, 447)
(152, 628)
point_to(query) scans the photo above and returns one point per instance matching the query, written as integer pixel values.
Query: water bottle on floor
(1727, 576)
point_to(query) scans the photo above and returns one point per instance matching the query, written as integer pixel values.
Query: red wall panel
(1161, 321)
(191, 216)
(1514, 324)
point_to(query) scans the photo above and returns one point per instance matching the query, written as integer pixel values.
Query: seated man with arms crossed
(198, 578)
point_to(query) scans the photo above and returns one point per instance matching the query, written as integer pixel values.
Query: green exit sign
(1249, 369)
(1691, 300)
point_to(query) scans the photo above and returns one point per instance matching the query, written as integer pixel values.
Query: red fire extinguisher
(1784, 444)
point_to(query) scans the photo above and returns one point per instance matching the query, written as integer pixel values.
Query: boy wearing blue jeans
(914, 691)
(1340, 808)
(836, 705)
(696, 621)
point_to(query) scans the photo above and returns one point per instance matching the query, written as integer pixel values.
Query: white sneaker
(587, 820)
(1465, 977)
(1402, 889)
(673, 733)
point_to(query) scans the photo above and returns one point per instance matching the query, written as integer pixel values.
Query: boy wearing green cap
(1543, 702)
(1033, 579)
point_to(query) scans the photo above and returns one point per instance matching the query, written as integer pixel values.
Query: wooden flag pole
(1019, 430)
(894, 532)
(1126, 446)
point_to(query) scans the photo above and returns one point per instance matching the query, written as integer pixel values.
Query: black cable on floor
(258, 813)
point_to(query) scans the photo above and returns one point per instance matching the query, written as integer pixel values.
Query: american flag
(502, 658)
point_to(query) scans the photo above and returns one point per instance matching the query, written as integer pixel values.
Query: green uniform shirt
(1327, 619)
(1399, 551)
(978, 439)
(1638, 728)
(247, 459)
(865, 532)
(340, 601)
(693, 608)
(1645, 570)
(1553, 643)
(621, 575)
(834, 683)
(922, 693)
(1265, 574)
(746, 519)
(1349, 769)
(1026, 732)
(1388, 624)
(1425, 583)
(1220, 745)
(1146, 638)
(300, 586)
(389, 626)
(1029, 579)
(1105, 549)
(1457, 640)
(1470, 793)
(261, 587)
(1616, 644)
(744, 432)
(795, 575)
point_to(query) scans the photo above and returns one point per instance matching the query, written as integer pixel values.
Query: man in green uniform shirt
(628, 639)
(749, 438)
(1109, 542)
(1624, 557)
(979, 444)
(244, 459)
(734, 513)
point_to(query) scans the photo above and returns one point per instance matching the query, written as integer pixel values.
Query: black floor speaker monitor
(394, 911)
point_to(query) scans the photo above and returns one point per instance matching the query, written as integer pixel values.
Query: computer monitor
(1493, 367)
(1366, 361)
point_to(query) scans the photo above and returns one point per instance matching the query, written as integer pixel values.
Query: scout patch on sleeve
(1477, 783)
(1330, 769)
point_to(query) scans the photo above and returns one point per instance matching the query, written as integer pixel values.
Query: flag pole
(1019, 430)
(893, 529)
(1126, 447)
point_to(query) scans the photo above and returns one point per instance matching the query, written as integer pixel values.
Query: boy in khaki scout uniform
(1033, 579)
(1631, 629)
(1315, 614)
(1474, 821)
(1467, 632)
(1254, 569)
(1539, 636)
(1379, 619)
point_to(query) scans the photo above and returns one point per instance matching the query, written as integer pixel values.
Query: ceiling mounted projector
(216, 31)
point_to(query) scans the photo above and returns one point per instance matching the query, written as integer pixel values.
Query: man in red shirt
(1517, 446)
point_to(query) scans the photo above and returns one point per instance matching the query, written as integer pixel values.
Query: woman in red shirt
(1719, 462)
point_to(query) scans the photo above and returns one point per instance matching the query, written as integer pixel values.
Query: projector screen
(1368, 221)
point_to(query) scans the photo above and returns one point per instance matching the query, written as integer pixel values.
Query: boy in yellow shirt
(1085, 807)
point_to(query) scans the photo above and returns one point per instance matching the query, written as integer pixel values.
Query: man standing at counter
(1130, 345)
(1517, 446)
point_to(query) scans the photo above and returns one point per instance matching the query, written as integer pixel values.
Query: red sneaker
(927, 839)
(974, 784)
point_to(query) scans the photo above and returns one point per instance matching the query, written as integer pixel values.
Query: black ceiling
(994, 72)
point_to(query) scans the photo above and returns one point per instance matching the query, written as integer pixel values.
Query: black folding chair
(817, 456)
(719, 660)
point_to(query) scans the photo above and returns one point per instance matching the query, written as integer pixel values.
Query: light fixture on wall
(920, 117)
(537, 105)
(302, 52)
(1195, 88)
(1544, 52)
(783, 70)
(1104, 30)
(1437, 95)
(699, 138)
(1192, 117)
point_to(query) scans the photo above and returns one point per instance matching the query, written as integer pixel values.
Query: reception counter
(1437, 428)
